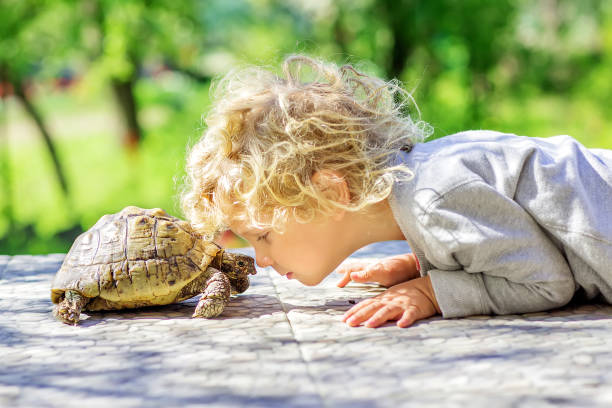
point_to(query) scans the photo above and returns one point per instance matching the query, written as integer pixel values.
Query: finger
(368, 274)
(356, 308)
(362, 305)
(363, 314)
(360, 276)
(351, 267)
(345, 279)
(382, 315)
(408, 318)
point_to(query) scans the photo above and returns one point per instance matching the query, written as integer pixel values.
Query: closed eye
(263, 237)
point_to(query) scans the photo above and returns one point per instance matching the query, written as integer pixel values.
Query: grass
(103, 177)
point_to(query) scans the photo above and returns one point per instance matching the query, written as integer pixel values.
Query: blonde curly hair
(268, 135)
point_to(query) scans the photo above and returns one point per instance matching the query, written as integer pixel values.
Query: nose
(263, 261)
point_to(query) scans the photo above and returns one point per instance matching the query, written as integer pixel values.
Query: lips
(289, 275)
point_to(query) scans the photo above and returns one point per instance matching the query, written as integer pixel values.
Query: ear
(334, 186)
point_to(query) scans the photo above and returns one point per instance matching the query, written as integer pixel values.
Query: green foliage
(104, 178)
(532, 68)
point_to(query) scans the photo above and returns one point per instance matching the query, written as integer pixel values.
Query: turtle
(145, 257)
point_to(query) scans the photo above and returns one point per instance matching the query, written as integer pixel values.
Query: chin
(310, 282)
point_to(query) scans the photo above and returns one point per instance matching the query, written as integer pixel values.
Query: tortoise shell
(137, 257)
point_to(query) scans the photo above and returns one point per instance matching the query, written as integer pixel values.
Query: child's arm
(490, 256)
(406, 302)
(387, 271)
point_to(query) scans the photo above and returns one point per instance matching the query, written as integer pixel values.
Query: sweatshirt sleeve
(493, 258)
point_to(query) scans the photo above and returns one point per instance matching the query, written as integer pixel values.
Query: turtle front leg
(215, 296)
(69, 309)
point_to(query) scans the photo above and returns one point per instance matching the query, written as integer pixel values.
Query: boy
(310, 171)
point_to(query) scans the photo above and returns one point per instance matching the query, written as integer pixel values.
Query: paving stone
(4, 259)
(446, 356)
(135, 356)
(283, 345)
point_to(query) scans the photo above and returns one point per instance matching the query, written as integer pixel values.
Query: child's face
(306, 252)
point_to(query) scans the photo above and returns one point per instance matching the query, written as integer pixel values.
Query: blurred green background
(100, 99)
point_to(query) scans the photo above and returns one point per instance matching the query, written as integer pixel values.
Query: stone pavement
(281, 344)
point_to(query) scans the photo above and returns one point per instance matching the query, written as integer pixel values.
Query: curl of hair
(267, 135)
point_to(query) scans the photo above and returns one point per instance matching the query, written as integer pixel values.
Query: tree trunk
(124, 91)
(399, 54)
(340, 34)
(40, 123)
(190, 73)
(479, 91)
(402, 48)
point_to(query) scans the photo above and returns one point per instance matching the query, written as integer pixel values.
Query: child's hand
(387, 271)
(407, 302)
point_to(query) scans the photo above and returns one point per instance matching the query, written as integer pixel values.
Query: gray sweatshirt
(508, 224)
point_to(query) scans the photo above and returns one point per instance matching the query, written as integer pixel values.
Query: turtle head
(238, 267)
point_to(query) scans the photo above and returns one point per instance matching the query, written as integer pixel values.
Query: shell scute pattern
(134, 255)
(145, 257)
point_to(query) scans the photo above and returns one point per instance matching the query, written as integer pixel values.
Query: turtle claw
(65, 315)
(69, 310)
(209, 308)
(215, 296)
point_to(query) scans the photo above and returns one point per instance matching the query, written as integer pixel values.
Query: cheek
(308, 250)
